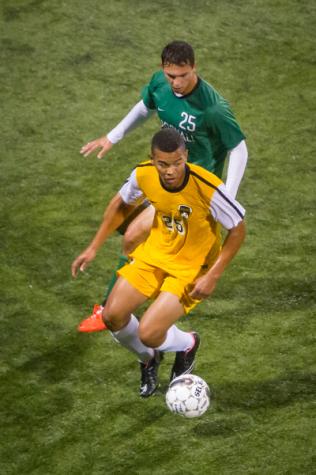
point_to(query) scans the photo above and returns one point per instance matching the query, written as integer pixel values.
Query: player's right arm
(120, 207)
(114, 215)
(136, 116)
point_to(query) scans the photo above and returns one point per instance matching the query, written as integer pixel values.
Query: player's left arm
(205, 285)
(223, 123)
(230, 214)
(238, 158)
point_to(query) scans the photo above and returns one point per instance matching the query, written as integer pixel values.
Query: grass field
(69, 403)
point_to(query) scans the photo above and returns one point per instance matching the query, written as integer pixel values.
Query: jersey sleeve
(147, 93)
(138, 114)
(222, 122)
(236, 167)
(130, 192)
(225, 209)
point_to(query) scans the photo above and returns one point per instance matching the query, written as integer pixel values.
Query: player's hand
(203, 287)
(82, 261)
(102, 143)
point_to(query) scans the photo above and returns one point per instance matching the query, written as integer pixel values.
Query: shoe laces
(97, 312)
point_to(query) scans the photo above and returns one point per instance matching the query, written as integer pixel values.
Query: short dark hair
(167, 140)
(179, 53)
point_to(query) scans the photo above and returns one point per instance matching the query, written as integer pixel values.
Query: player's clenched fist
(203, 288)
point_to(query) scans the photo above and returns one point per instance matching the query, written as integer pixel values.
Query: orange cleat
(94, 323)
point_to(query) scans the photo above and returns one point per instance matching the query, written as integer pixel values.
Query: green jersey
(203, 118)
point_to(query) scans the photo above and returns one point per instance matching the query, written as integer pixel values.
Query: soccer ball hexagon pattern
(188, 395)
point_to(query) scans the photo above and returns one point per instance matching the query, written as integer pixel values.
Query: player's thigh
(123, 300)
(159, 317)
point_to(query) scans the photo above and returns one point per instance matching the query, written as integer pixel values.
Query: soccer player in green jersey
(184, 101)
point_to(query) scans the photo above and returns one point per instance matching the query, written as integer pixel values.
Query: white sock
(177, 340)
(128, 337)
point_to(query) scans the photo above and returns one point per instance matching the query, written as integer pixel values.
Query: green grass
(69, 404)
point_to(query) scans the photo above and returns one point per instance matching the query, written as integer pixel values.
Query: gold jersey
(186, 231)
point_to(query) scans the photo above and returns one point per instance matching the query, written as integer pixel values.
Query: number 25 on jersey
(188, 122)
(174, 224)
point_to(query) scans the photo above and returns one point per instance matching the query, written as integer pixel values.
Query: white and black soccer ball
(188, 395)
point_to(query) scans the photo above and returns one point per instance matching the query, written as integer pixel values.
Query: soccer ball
(188, 395)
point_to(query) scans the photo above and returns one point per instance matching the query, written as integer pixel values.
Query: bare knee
(132, 238)
(151, 336)
(134, 235)
(138, 230)
(113, 320)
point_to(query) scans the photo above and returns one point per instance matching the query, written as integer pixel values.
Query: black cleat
(184, 360)
(149, 375)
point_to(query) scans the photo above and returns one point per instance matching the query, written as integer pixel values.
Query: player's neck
(192, 85)
(190, 88)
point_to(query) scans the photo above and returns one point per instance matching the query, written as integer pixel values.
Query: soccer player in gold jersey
(179, 263)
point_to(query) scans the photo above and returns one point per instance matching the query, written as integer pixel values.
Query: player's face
(171, 166)
(182, 79)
